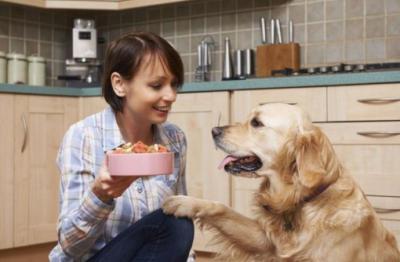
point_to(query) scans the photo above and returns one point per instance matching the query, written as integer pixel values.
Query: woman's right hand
(107, 187)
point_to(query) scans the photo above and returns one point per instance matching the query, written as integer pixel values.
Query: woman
(106, 218)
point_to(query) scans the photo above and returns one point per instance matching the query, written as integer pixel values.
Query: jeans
(155, 237)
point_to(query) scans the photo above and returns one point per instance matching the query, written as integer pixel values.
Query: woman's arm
(82, 214)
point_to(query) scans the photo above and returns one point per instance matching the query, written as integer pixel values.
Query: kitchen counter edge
(248, 84)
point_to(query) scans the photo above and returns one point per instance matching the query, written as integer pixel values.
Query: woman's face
(151, 93)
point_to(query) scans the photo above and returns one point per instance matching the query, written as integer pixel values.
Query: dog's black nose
(216, 131)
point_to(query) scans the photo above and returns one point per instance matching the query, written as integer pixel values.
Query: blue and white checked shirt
(85, 223)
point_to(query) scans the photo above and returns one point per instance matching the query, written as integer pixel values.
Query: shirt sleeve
(82, 215)
(181, 183)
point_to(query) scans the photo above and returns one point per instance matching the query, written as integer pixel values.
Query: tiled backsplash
(329, 31)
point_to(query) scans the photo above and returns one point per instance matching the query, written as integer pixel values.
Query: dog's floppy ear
(310, 154)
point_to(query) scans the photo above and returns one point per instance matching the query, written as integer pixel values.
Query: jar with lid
(36, 70)
(17, 68)
(3, 67)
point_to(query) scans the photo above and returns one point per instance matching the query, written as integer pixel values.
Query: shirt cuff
(92, 208)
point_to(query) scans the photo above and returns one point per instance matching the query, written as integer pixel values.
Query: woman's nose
(170, 93)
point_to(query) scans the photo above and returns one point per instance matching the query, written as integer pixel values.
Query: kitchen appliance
(84, 69)
(341, 68)
(82, 74)
(84, 39)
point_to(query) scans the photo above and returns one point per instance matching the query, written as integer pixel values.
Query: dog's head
(278, 141)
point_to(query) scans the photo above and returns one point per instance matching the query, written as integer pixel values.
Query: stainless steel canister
(17, 68)
(239, 64)
(248, 62)
(227, 72)
(3, 67)
(36, 71)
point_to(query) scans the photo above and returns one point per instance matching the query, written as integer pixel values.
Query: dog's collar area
(316, 193)
(288, 216)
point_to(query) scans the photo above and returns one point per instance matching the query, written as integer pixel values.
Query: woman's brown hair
(125, 55)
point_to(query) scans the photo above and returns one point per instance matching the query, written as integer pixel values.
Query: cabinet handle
(25, 133)
(379, 100)
(386, 210)
(378, 134)
(283, 102)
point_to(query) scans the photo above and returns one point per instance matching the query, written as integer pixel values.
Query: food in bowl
(140, 159)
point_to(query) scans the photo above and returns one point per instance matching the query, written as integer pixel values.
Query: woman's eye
(256, 123)
(156, 86)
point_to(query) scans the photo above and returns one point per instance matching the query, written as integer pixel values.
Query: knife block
(277, 57)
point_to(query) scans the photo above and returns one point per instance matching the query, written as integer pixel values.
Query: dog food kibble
(140, 147)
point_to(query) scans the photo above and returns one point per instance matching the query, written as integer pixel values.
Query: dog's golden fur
(308, 208)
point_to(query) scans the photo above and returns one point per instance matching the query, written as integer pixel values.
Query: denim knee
(183, 231)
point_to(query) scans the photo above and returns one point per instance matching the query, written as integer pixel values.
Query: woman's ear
(309, 157)
(118, 84)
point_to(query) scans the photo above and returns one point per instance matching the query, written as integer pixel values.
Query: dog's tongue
(226, 161)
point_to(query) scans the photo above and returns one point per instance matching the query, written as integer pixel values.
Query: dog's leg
(237, 229)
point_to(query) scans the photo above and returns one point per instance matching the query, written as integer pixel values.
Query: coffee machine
(84, 69)
(84, 39)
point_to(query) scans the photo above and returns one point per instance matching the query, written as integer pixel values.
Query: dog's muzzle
(235, 164)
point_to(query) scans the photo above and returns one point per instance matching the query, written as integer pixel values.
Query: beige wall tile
(168, 28)
(297, 13)
(334, 52)
(315, 12)
(213, 24)
(17, 46)
(244, 20)
(354, 29)
(315, 54)
(375, 27)
(393, 48)
(315, 33)
(392, 6)
(228, 22)
(354, 8)
(375, 49)
(374, 7)
(393, 25)
(354, 51)
(334, 31)
(334, 9)
(244, 39)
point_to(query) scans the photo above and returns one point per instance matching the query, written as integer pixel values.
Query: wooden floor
(39, 253)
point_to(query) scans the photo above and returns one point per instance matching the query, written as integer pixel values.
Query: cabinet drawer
(376, 168)
(388, 210)
(386, 207)
(372, 133)
(313, 100)
(366, 102)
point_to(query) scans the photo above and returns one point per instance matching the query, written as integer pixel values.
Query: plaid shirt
(86, 224)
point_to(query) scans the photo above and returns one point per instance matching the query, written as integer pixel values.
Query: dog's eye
(256, 123)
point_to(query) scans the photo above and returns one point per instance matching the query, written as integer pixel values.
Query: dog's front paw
(181, 206)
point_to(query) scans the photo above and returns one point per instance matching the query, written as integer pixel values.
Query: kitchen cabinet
(93, 4)
(7, 171)
(39, 126)
(363, 124)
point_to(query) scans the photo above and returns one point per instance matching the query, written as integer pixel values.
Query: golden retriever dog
(307, 208)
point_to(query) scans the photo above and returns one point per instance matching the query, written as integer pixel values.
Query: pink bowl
(140, 164)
